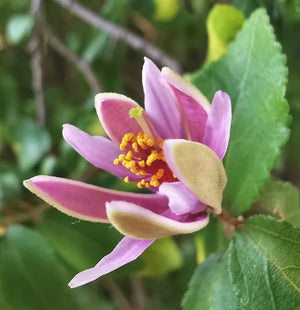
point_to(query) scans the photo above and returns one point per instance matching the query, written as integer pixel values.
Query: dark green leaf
(81, 244)
(31, 276)
(254, 74)
(260, 270)
(210, 287)
(264, 264)
(10, 183)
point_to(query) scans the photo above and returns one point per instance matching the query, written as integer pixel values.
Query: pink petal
(113, 112)
(181, 200)
(86, 201)
(139, 223)
(217, 130)
(160, 105)
(192, 103)
(125, 252)
(99, 151)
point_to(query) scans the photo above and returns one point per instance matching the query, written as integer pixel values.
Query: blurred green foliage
(39, 254)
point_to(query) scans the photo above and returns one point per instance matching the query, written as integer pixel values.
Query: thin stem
(79, 62)
(118, 295)
(120, 33)
(20, 217)
(138, 293)
(36, 63)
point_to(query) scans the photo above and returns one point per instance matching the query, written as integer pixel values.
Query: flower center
(145, 158)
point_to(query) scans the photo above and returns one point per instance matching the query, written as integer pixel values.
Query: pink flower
(174, 147)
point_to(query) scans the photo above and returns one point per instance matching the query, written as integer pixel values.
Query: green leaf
(210, 287)
(31, 276)
(30, 142)
(254, 74)
(9, 98)
(162, 257)
(281, 199)
(223, 23)
(19, 27)
(165, 10)
(264, 264)
(245, 6)
(260, 270)
(10, 184)
(81, 244)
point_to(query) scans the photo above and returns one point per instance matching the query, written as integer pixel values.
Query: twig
(118, 295)
(20, 217)
(36, 63)
(83, 65)
(120, 33)
(138, 294)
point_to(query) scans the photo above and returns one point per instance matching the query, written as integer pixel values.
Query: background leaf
(80, 244)
(162, 257)
(253, 73)
(19, 27)
(223, 23)
(210, 239)
(281, 199)
(31, 276)
(30, 142)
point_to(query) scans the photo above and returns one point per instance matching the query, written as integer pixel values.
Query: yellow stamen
(122, 157)
(129, 155)
(142, 163)
(142, 153)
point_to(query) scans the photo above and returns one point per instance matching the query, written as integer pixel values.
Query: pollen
(144, 157)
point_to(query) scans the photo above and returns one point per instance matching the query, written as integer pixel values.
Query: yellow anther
(160, 173)
(131, 164)
(174, 176)
(122, 157)
(152, 157)
(142, 163)
(126, 180)
(150, 142)
(129, 155)
(135, 146)
(160, 142)
(144, 158)
(154, 183)
(141, 172)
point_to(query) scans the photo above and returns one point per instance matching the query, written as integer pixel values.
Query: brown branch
(138, 293)
(120, 33)
(76, 60)
(20, 217)
(36, 63)
(118, 295)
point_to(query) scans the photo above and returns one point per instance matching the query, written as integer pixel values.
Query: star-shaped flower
(174, 147)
